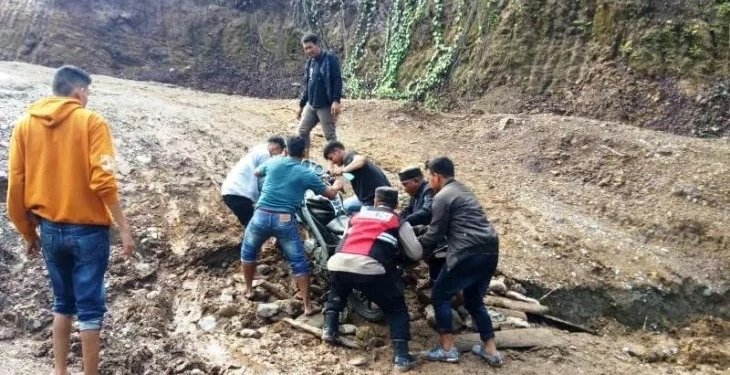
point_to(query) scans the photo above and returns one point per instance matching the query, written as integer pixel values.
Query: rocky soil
(615, 227)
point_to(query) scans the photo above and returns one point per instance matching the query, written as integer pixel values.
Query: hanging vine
(403, 15)
(313, 15)
(364, 28)
(444, 56)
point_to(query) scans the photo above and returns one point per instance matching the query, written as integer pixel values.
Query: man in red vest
(366, 260)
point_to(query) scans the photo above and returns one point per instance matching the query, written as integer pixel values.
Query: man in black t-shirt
(366, 176)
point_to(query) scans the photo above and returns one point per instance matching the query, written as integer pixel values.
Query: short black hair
(441, 165)
(387, 195)
(295, 146)
(279, 140)
(68, 78)
(310, 38)
(331, 147)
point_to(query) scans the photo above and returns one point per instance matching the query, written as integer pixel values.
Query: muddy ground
(618, 228)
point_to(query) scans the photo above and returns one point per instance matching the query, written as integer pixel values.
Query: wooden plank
(564, 324)
(510, 313)
(352, 344)
(513, 339)
(507, 303)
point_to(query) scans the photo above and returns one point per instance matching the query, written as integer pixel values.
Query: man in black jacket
(321, 92)
(471, 260)
(418, 212)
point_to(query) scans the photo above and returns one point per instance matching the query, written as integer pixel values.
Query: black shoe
(404, 363)
(331, 329)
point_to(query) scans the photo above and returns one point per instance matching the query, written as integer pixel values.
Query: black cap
(410, 173)
(387, 195)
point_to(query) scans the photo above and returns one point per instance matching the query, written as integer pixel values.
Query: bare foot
(312, 310)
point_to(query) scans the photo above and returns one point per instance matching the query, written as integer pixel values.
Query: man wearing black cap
(418, 211)
(366, 260)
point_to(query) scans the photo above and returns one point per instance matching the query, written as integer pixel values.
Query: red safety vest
(373, 233)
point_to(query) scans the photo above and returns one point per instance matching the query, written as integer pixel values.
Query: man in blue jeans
(471, 260)
(285, 182)
(62, 177)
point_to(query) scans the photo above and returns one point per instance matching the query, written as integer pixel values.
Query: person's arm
(103, 182)
(423, 215)
(17, 212)
(409, 243)
(332, 191)
(123, 225)
(336, 85)
(358, 161)
(303, 98)
(260, 171)
(314, 183)
(439, 224)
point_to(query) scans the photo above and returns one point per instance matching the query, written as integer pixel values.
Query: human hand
(336, 109)
(127, 243)
(338, 184)
(33, 248)
(336, 170)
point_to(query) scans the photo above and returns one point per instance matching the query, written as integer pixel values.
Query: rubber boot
(402, 359)
(331, 328)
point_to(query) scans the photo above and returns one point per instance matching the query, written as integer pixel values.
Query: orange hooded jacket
(61, 166)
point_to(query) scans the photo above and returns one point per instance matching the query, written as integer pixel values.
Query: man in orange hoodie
(61, 178)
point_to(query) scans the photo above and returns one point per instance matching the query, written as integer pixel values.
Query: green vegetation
(403, 16)
(366, 19)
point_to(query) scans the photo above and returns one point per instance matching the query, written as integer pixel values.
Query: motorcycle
(325, 222)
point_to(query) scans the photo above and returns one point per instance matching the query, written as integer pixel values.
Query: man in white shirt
(241, 189)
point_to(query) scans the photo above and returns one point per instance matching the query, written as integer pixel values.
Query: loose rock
(267, 310)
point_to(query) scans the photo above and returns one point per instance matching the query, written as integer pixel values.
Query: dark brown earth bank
(661, 64)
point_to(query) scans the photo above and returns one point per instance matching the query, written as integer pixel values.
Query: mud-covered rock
(267, 310)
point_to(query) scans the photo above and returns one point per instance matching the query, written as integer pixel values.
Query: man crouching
(366, 260)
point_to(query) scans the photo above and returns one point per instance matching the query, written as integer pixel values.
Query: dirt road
(625, 228)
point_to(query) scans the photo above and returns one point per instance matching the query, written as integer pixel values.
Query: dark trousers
(242, 207)
(385, 290)
(434, 267)
(472, 275)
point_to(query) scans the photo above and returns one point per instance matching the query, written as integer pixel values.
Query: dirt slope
(619, 224)
(662, 64)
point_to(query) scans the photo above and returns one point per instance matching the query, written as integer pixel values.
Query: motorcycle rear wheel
(367, 309)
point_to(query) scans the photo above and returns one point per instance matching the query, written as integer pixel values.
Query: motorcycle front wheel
(367, 309)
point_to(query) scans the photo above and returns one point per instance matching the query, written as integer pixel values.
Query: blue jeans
(472, 275)
(77, 257)
(285, 228)
(351, 205)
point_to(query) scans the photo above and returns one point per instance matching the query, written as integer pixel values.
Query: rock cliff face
(664, 64)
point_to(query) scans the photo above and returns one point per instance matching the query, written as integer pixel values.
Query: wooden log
(513, 339)
(352, 344)
(511, 313)
(507, 303)
(520, 297)
(271, 288)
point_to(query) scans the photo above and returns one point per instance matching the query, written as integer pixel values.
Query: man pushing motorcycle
(367, 260)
